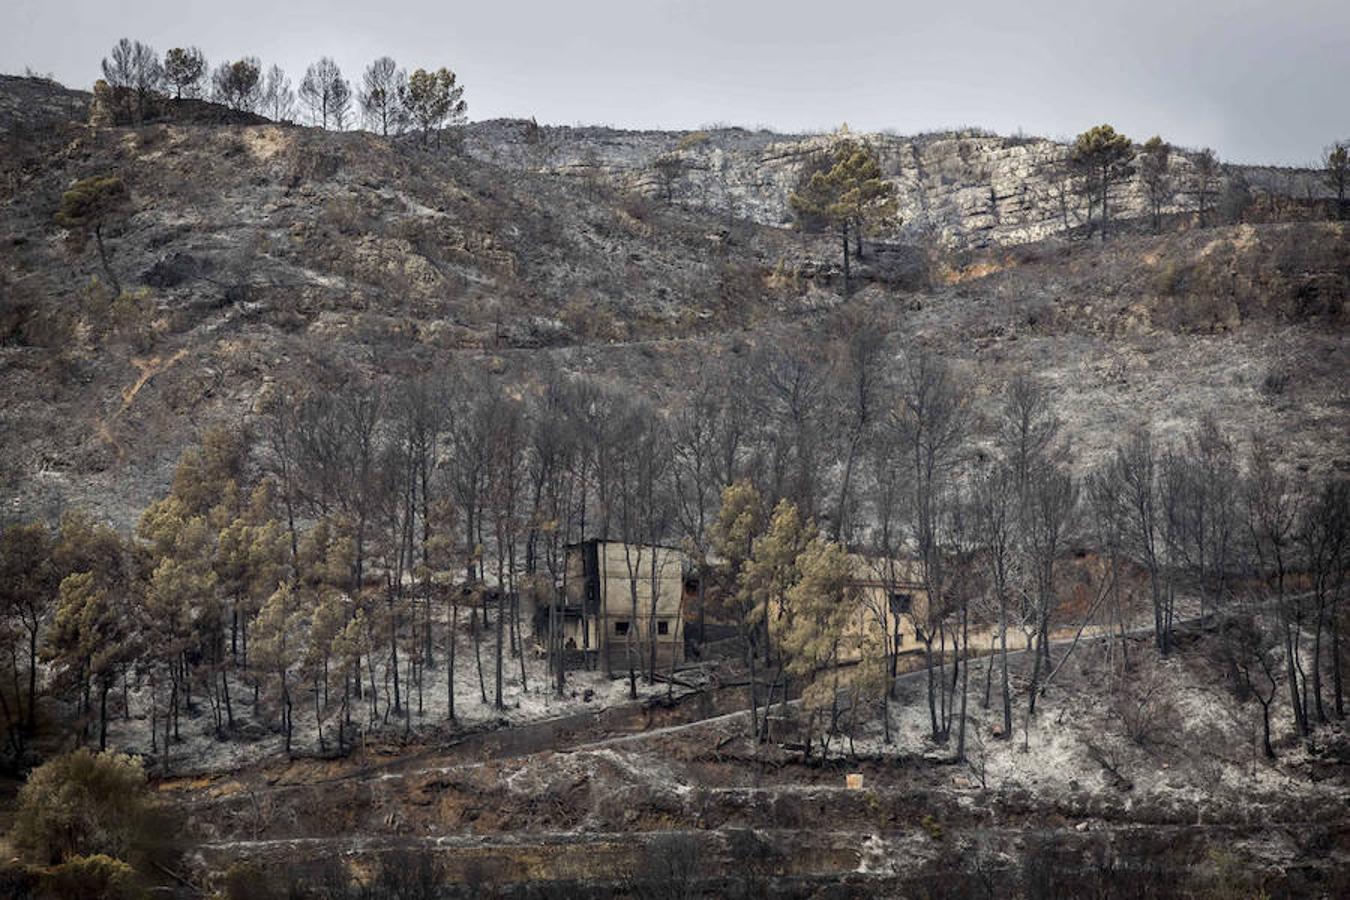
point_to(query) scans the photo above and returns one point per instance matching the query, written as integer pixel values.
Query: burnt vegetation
(1042, 546)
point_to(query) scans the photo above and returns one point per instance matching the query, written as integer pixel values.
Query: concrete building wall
(875, 586)
(617, 578)
(626, 571)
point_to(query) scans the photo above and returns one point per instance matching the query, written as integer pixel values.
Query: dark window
(621, 627)
(901, 604)
(663, 627)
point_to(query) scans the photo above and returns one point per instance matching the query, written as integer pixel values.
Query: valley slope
(270, 255)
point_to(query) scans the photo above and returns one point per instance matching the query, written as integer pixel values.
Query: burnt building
(624, 600)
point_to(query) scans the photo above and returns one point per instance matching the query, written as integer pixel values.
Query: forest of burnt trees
(323, 558)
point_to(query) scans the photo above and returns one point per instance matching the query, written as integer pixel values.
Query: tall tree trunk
(104, 685)
(154, 716)
(173, 706)
(754, 694)
(702, 602)
(1317, 658)
(556, 605)
(1291, 657)
(886, 716)
(843, 236)
(501, 637)
(14, 680)
(107, 264)
(965, 679)
(845, 484)
(478, 652)
(932, 697)
(10, 724)
(393, 654)
(225, 692)
(1265, 727)
(1003, 654)
(1159, 629)
(342, 713)
(169, 714)
(318, 716)
(515, 612)
(628, 652)
(1106, 217)
(1336, 683)
(374, 698)
(1034, 688)
(450, 660)
(32, 678)
(286, 711)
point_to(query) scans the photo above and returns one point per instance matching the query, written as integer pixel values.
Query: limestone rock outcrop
(960, 190)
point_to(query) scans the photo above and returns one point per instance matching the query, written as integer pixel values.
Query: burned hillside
(502, 509)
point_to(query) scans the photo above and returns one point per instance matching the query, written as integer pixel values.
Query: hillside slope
(259, 255)
(1084, 802)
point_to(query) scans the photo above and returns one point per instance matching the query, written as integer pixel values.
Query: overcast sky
(1258, 81)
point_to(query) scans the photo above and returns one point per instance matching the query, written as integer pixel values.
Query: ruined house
(896, 588)
(891, 590)
(621, 599)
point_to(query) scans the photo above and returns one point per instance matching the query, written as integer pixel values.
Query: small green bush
(84, 804)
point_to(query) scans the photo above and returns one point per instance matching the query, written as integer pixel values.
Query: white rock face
(960, 189)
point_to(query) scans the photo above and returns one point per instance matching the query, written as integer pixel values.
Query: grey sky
(1258, 81)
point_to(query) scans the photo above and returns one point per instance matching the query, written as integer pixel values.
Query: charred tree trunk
(1317, 667)
(225, 694)
(105, 683)
(393, 653)
(318, 716)
(107, 264)
(501, 637)
(478, 653)
(1034, 688)
(32, 677)
(965, 682)
(1336, 682)
(450, 660)
(932, 695)
(754, 694)
(843, 236)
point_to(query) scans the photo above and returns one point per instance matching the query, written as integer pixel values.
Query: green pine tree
(1106, 157)
(89, 206)
(851, 195)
